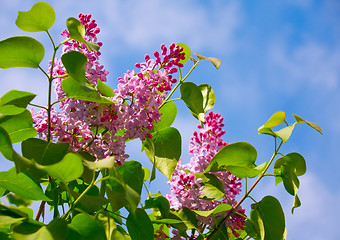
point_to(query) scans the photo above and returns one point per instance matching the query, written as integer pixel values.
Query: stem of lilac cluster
(179, 83)
(248, 192)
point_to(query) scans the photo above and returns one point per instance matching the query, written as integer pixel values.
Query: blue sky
(277, 55)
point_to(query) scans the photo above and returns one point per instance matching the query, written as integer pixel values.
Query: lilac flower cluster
(186, 188)
(100, 129)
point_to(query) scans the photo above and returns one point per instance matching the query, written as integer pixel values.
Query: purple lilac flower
(185, 187)
(100, 129)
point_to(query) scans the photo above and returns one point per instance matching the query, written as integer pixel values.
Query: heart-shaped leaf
(21, 52)
(41, 17)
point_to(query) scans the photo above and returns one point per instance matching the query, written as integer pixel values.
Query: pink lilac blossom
(103, 130)
(186, 187)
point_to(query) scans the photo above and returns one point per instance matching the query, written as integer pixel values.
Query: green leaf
(21, 185)
(159, 202)
(186, 50)
(217, 62)
(267, 131)
(285, 133)
(147, 173)
(169, 112)
(104, 89)
(100, 164)
(68, 169)
(21, 52)
(192, 96)
(132, 174)
(6, 145)
(19, 127)
(88, 227)
(188, 218)
(77, 32)
(15, 102)
(121, 194)
(213, 188)
(43, 152)
(139, 226)
(311, 124)
(86, 92)
(18, 200)
(166, 221)
(90, 203)
(297, 203)
(255, 227)
(270, 212)
(237, 158)
(216, 210)
(8, 220)
(290, 180)
(296, 162)
(41, 17)
(167, 150)
(286, 170)
(208, 97)
(75, 63)
(276, 119)
(55, 230)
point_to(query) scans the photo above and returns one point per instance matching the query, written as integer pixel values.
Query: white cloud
(144, 23)
(312, 63)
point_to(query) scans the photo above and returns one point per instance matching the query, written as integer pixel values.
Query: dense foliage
(78, 164)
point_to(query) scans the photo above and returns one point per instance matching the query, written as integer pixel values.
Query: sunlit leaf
(296, 204)
(219, 208)
(147, 173)
(296, 162)
(85, 92)
(285, 133)
(169, 112)
(186, 50)
(208, 97)
(193, 99)
(15, 102)
(104, 89)
(77, 32)
(276, 119)
(100, 164)
(6, 145)
(21, 52)
(132, 174)
(43, 152)
(217, 62)
(68, 169)
(187, 216)
(21, 185)
(19, 127)
(159, 202)
(237, 158)
(269, 213)
(41, 17)
(213, 188)
(167, 150)
(121, 194)
(311, 124)
(75, 63)
(139, 226)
